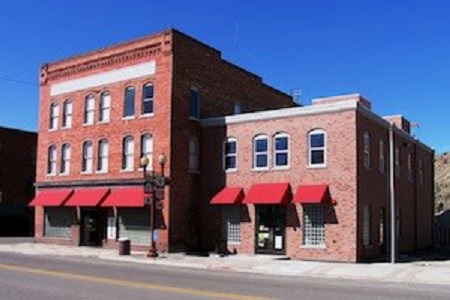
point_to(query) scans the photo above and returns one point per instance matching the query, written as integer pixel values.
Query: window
(194, 103)
(317, 148)
(231, 224)
(128, 109)
(281, 150)
(65, 159)
(87, 157)
(420, 172)
(147, 99)
(128, 153)
(54, 115)
(313, 225)
(382, 160)
(103, 153)
(105, 107)
(367, 152)
(89, 109)
(147, 149)
(51, 160)
(397, 162)
(366, 230)
(410, 168)
(67, 114)
(237, 108)
(193, 154)
(230, 154)
(260, 152)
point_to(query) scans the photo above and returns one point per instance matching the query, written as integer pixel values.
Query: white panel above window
(86, 82)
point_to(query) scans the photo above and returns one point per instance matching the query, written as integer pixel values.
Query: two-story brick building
(17, 172)
(246, 164)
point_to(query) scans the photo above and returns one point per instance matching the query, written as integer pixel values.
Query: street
(40, 277)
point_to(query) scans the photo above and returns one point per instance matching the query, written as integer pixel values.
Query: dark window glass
(230, 147)
(129, 102)
(281, 143)
(194, 104)
(261, 160)
(317, 140)
(230, 162)
(317, 157)
(147, 101)
(281, 159)
(261, 145)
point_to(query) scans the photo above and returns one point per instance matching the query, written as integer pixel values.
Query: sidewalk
(435, 272)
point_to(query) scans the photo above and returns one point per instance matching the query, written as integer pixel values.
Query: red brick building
(246, 165)
(17, 171)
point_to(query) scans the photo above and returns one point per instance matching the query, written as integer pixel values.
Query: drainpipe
(392, 194)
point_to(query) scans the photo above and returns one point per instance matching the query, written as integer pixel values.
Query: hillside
(442, 181)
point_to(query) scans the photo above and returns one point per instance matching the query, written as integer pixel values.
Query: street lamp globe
(162, 159)
(145, 161)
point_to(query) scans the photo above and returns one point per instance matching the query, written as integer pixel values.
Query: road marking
(134, 284)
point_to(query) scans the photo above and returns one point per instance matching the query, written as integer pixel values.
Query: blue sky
(395, 53)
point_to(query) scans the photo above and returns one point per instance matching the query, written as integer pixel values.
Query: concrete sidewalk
(436, 272)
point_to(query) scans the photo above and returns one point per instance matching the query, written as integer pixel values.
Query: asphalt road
(46, 278)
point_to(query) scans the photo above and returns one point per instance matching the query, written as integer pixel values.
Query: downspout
(392, 194)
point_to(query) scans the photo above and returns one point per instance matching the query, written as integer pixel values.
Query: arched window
(54, 115)
(281, 150)
(193, 154)
(89, 110)
(317, 153)
(105, 107)
(102, 157)
(367, 150)
(67, 114)
(260, 152)
(128, 153)
(128, 107)
(147, 99)
(65, 159)
(51, 160)
(230, 154)
(147, 149)
(87, 157)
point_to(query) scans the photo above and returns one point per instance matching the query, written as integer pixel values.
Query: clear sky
(396, 53)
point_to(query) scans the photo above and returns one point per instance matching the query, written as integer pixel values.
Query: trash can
(124, 246)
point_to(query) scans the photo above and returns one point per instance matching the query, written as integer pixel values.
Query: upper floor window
(65, 159)
(105, 107)
(420, 171)
(193, 154)
(260, 152)
(237, 108)
(67, 114)
(410, 168)
(51, 160)
(89, 110)
(194, 103)
(147, 149)
(317, 148)
(128, 153)
(382, 158)
(281, 150)
(367, 152)
(87, 157)
(397, 161)
(128, 108)
(54, 115)
(103, 154)
(230, 154)
(147, 99)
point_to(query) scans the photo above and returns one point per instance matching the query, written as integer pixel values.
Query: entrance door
(92, 230)
(270, 229)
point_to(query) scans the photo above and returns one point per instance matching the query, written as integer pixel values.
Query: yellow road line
(134, 284)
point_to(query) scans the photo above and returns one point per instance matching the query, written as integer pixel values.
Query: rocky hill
(442, 181)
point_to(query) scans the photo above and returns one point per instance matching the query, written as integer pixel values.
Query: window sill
(281, 168)
(317, 166)
(128, 118)
(103, 122)
(126, 170)
(233, 243)
(86, 172)
(318, 247)
(261, 169)
(230, 171)
(64, 174)
(53, 129)
(148, 169)
(66, 128)
(87, 124)
(51, 174)
(102, 172)
(149, 115)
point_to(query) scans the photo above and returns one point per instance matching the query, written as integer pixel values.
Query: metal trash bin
(124, 246)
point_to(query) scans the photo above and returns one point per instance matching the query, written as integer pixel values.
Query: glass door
(270, 229)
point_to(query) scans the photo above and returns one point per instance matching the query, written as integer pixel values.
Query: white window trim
(53, 171)
(87, 110)
(275, 152)
(63, 161)
(148, 154)
(143, 101)
(101, 157)
(124, 155)
(324, 148)
(87, 171)
(255, 153)
(67, 116)
(103, 108)
(52, 117)
(225, 155)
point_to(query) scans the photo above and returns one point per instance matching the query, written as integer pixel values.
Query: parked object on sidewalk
(124, 246)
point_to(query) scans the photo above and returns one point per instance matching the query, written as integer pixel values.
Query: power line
(9, 79)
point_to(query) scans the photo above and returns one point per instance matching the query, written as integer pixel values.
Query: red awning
(228, 196)
(269, 193)
(51, 197)
(125, 197)
(87, 197)
(313, 194)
